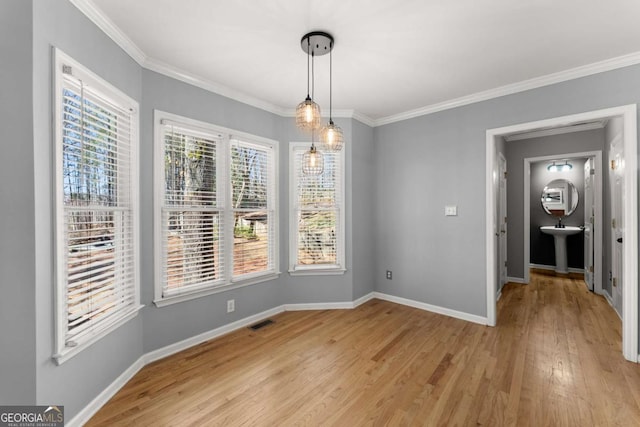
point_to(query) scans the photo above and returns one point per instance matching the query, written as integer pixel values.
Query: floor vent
(261, 324)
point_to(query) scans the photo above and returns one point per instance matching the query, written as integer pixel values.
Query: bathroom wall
(542, 246)
(517, 151)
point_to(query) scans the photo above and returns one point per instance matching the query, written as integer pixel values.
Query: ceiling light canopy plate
(317, 43)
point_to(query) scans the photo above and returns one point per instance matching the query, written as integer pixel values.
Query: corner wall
(363, 195)
(76, 382)
(17, 277)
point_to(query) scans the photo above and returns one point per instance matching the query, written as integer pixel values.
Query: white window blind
(192, 221)
(96, 224)
(318, 229)
(216, 217)
(252, 188)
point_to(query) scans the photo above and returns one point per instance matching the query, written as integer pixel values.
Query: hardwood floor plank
(554, 359)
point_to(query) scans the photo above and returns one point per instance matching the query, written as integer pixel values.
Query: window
(96, 207)
(215, 209)
(317, 215)
(253, 208)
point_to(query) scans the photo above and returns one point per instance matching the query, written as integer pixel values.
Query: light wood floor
(553, 360)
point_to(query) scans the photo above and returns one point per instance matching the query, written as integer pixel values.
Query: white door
(502, 220)
(589, 212)
(616, 180)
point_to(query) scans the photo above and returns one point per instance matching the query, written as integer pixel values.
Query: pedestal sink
(560, 240)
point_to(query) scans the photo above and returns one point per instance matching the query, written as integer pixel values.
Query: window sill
(317, 271)
(187, 296)
(69, 352)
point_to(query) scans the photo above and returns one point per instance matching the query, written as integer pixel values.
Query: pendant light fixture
(308, 112)
(312, 161)
(331, 135)
(313, 44)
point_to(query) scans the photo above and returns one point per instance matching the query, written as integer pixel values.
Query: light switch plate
(451, 210)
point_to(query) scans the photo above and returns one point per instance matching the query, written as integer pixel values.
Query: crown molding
(342, 114)
(363, 118)
(208, 85)
(95, 15)
(549, 79)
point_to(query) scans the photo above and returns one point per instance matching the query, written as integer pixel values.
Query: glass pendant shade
(308, 115)
(331, 137)
(312, 162)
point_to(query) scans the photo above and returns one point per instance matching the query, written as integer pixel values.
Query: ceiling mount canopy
(317, 43)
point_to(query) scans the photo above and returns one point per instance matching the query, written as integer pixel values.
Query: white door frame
(630, 213)
(597, 232)
(503, 254)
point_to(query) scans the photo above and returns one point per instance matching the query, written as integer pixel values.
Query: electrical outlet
(388, 274)
(231, 306)
(451, 210)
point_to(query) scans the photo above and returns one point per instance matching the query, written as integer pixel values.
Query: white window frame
(317, 269)
(64, 351)
(223, 157)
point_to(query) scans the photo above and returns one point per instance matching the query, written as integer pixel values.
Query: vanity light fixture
(553, 167)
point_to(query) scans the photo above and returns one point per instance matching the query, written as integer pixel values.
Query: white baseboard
(163, 352)
(610, 301)
(499, 295)
(330, 305)
(516, 280)
(432, 308)
(94, 406)
(318, 306)
(363, 299)
(553, 268)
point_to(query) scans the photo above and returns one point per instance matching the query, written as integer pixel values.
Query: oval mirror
(559, 198)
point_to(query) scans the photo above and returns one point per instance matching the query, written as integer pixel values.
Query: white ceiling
(392, 59)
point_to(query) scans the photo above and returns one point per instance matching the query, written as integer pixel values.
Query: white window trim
(62, 353)
(320, 269)
(228, 282)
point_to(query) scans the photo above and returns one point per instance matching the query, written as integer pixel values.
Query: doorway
(594, 234)
(628, 217)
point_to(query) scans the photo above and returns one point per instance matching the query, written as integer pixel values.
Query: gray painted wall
(426, 162)
(177, 322)
(414, 169)
(17, 250)
(363, 193)
(75, 383)
(517, 151)
(542, 245)
(421, 165)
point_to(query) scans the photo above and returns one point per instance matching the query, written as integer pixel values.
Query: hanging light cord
(313, 94)
(330, 83)
(313, 77)
(308, 47)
